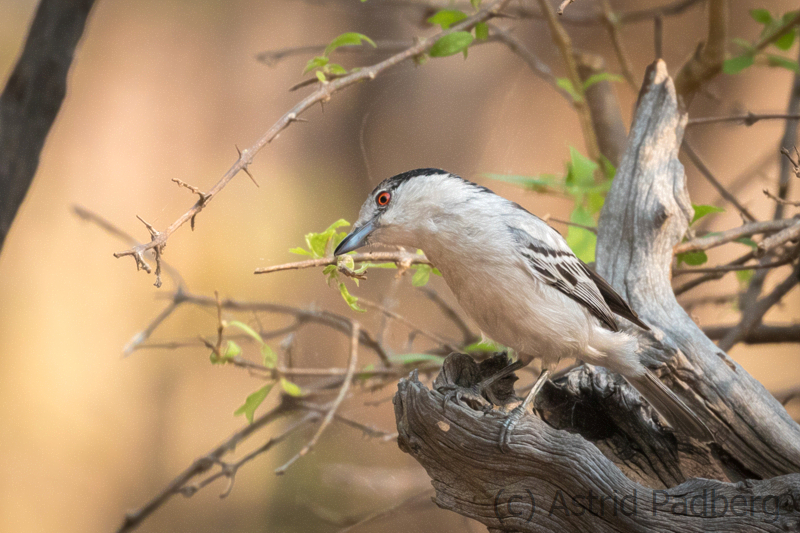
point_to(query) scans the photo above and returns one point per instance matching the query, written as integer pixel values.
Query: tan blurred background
(164, 89)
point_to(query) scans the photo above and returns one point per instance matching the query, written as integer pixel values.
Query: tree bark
(597, 457)
(32, 97)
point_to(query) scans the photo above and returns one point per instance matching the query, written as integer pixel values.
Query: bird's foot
(504, 440)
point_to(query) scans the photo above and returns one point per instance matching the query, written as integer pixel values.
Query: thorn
(245, 165)
(203, 196)
(150, 228)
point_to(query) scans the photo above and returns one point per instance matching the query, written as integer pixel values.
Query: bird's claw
(509, 423)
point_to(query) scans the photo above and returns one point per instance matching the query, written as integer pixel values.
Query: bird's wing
(615, 302)
(552, 262)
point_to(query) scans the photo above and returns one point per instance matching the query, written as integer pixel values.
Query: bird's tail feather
(670, 406)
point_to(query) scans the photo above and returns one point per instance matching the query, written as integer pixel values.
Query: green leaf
(735, 65)
(481, 31)
(414, 358)
(601, 76)
(783, 62)
(247, 329)
(351, 300)
(270, 358)
(421, 276)
(317, 62)
(348, 39)
(744, 276)
(253, 401)
(451, 44)
(566, 84)
(300, 251)
(609, 170)
(582, 242)
(595, 201)
(476, 4)
(321, 76)
(318, 242)
(291, 388)
(702, 210)
(335, 69)
(762, 16)
(447, 17)
(484, 345)
(692, 258)
(747, 241)
(232, 350)
(785, 41)
(580, 169)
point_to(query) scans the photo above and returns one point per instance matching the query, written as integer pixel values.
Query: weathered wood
(595, 436)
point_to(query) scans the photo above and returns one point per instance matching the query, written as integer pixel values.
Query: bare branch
(792, 233)
(398, 258)
(703, 168)
(780, 200)
(747, 119)
(351, 367)
(731, 235)
(761, 334)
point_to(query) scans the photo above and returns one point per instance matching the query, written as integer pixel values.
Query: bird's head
(408, 208)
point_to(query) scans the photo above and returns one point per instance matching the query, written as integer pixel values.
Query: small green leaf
(744, 276)
(253, 401)
(580, 170)
(270, 358)
(601, 76)
(348, 39)
(609, 170)
(782, 62)
(451, 44)
(476, 4)
(300, 251)
(566, 84)
(318, 242)
(595, 201)
(702, 210)
(785, 41)
(317, 62)
(582, 242)
(692, 258)
(421, 276)
(447, 17)
(735, 65)
(481, 31)
(747, 241)
(351, 300)
(291, 388)
(233, 350)
(762, 16)
(321, 76)
(247, 329)
(484, 345)
(335, 69)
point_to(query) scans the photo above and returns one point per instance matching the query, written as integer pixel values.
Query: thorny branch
(321, 94)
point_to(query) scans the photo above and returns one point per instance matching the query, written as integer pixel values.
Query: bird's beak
(356, 239)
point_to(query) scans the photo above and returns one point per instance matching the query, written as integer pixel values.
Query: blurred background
(164, 89)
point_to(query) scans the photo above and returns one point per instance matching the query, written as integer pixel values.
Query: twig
(351, 367)
(707, 61)
(761, 334)
(564, 43)
(563, 6)
(733, 268)
(321, 94)
(198, 467)
(751, 317)
(613, 27)
(537, 66)
(792, 233)
(399, 318)
(468, 337)
(703, 168)
(747, 119)
(713, 275)
(399, 258)
(780, 200)
(745, 230)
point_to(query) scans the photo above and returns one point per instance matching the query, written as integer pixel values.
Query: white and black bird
(516, 277)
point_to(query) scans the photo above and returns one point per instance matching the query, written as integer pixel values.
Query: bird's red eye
(383, 198)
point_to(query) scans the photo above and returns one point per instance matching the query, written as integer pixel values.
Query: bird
(517, 278)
